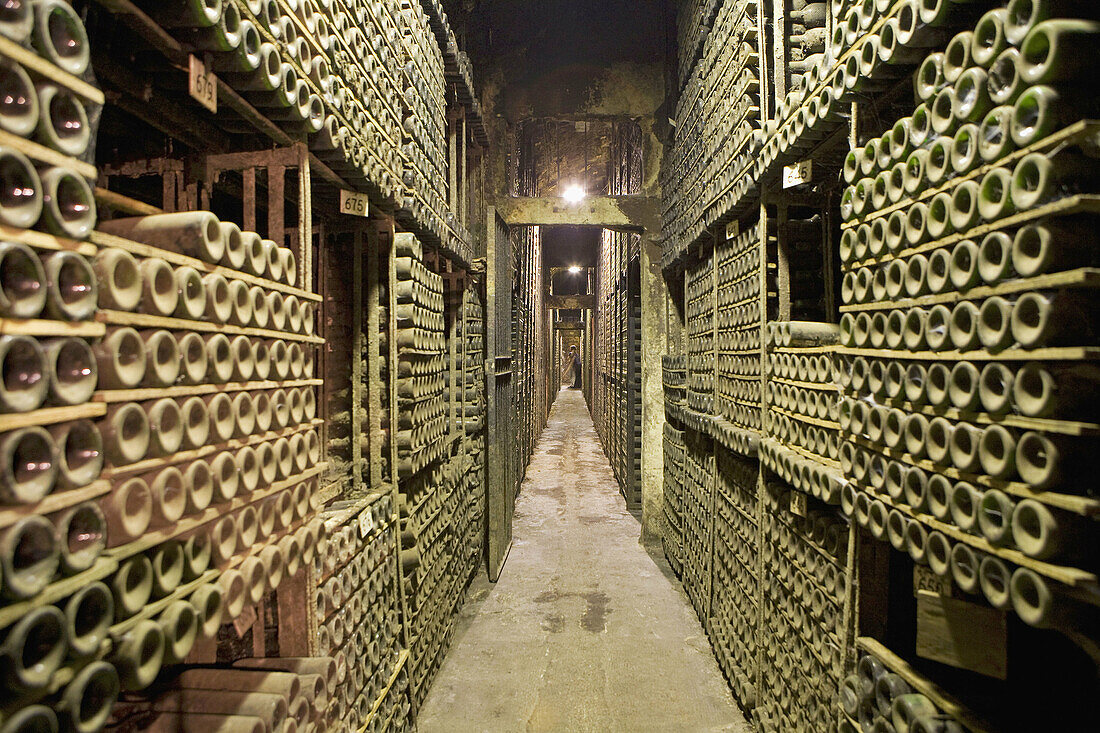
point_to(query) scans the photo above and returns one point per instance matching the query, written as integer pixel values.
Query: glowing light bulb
(574, 194)
(574, 269)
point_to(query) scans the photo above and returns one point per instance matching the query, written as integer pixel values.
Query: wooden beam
(628, 213)
(571, 302)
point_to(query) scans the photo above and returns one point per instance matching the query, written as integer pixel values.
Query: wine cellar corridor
(554, 645)
(549, 365)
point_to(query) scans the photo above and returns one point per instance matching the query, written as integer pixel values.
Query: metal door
(500, 502)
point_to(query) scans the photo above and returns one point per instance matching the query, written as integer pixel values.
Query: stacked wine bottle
(735, 612)
(969, 329)
(358, 611)
(803, 442)
(57, 609)
(738, 326)
(717, 129)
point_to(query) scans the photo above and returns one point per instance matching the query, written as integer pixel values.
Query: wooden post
(305, 218)
(297, 624)
(452, 168)
(276, 193)
(374, 373)
(357, 362)
(249, 213)
(464, 175)
(381, 241)
(783, 262)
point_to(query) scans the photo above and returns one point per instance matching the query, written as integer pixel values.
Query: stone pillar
(654, 346)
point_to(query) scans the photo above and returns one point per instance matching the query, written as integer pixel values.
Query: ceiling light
(574, 269)
(574, 194)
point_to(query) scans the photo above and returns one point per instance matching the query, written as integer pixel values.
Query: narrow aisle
(584, 631)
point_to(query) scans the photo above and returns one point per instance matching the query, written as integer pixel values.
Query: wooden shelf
(830, 463)
(1082, 278)
(1077, 204)
(402, 658)
(50, 416)
(102, 239)
(49, 328)
(1063, 427)
(1061, 353)
(152, 464)
(1080, 131)
(838, 562)
(1081, 580)
(1083, 505)
(824, 349)
(42, 240)
(154, 393)
(262, 543)
(190, 524)
(39, 66)
(144, 320)
(154, 608)
(816, 422)
(921, 684)
(820, 386)
(57, 590)
(41, 154)
(125, 204)
(54, 502)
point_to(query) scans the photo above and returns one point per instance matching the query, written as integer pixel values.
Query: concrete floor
(585, 631)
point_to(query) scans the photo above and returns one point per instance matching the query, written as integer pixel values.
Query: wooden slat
(152, 464)
(1060, 353)
(42, 240)
(1078, 204)
(1075, 578)
(102, 239)
(189, 524)
(1080, 131)
(50, 416)
(43, 327)
(1084, 505)
(152, 393)
(144, 320)
(56, 591)
(155, 607)
(1046, 425)
(1082, 278)
(940, 698)
(125, 204)
(49, 156)
(53, 503)
(39, 66)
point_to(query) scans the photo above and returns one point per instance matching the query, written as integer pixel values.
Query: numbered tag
(202, 84)
(354, 203)
(244, 622)
(732, 230)
(366, 523)
(926, 580)
(797, 174)
(798, 504)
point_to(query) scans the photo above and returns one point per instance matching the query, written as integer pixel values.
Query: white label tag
(797, 174)
(202, 84)
(354, 203)
(245, 621)
(798, 504)
(366, 523)
(732, 230)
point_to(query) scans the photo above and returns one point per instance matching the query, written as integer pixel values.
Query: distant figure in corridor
(575, 360)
